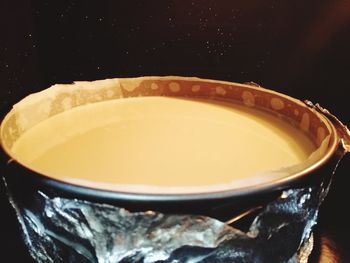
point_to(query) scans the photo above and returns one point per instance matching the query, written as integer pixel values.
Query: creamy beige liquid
(161, 141)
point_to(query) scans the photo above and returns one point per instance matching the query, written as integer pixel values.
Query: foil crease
(70, 230)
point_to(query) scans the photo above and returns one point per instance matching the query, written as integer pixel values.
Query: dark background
(301, 48)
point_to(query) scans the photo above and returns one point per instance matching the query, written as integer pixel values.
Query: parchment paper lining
(62, 97)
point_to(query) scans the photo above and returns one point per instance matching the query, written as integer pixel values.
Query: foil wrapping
(70, 230)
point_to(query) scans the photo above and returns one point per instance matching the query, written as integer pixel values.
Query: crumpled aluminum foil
(70, 230)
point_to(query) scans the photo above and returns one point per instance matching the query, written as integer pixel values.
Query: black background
(301, 48)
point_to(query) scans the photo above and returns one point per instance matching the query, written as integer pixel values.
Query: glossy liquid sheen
(161, 141)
